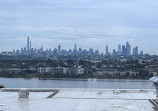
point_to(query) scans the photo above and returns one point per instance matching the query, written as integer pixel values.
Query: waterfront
(76, 83)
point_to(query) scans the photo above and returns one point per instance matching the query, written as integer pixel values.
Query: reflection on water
(76, 83)
(23, 104)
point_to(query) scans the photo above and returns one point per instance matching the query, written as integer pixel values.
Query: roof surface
(80, 100)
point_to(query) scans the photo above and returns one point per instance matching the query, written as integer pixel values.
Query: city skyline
(90, 24)
(27, 49)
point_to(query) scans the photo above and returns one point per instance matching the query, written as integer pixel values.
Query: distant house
(122, 73)
(153, 70)
(154, 73)
(14, 70)
(80, 70)
(123, 60)
(133, 73)
(101, 72)
(77, 70)
(60, 70)
(43, 70)
(33, 70)
(112, 72)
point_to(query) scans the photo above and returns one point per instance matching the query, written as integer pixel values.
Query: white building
(77, 70)
(60, 70)
(80, 70)
(43, 70)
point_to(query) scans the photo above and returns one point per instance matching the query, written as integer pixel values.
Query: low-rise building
(80, 70)
(100, 72)
(60, 70)
(133, 73)
(14, 70)
(112, 72)
(77, 70)
(43, 70)
(122, 73)
(154, 73)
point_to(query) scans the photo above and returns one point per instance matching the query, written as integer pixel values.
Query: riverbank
(75, 77)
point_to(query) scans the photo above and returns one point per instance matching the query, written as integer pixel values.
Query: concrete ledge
(76, 89)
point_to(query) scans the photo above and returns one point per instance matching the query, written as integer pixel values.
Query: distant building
(141, 53)
(59, 49)
(107, 50)
(28, 45)
(114, 52)
(80, 70)
(96, 53)
(77, 70)
(135, 51)
(90, 51)
(14, 70)
(123, 50)
(43, 70)
(60, 70)
(128, 48)
(119, 49)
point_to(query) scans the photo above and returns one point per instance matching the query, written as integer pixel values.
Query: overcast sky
(88, 23)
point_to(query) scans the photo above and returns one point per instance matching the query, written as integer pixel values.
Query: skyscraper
(107, 50)
(75, 47)
(141, 53)
(75, 50)
(128, 48)
(28, 46)
(123, 50)
(59, 49)
(119, 49)
(135, 50)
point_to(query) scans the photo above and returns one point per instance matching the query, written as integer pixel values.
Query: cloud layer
(89, 23)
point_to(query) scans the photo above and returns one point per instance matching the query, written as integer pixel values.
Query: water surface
(76, 83)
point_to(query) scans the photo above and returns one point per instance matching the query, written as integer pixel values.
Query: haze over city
(88, 23)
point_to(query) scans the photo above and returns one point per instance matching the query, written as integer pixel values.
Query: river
(76, 83)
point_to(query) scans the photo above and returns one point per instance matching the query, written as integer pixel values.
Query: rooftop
(79, 100)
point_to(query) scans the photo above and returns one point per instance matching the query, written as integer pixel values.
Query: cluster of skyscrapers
(122, 50)
(26, 50)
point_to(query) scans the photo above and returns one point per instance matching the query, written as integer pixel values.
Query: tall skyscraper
(90, 52)
(59, 49)
(28, 44)
(119, 49)
(123, 50)
(75, 47)
(107, 50)
(128, 48)
(75, 50)
(135, 50)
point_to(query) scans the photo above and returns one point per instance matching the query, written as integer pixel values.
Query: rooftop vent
(116, 92)
(23, 93)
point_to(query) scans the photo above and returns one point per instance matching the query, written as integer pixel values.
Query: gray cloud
(86, 22)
